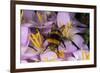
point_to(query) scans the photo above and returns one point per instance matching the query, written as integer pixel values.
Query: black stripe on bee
(54, 36)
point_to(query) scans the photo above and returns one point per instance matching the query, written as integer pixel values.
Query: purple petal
(77, 23)
(24, 35)
(29, 56)
(71, 59)
(23, 61)
(48, 56)
(85, 47)
(77, 54)
(81, 29)
(42, 14)
(28, 14)
(23, 50)
(63, 18)
(70, 47)
(48, 24)
(45, 43)
(78, 40)
(74, 30)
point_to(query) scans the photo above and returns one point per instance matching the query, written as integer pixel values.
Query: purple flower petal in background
(40, 18)
(78, 25)
(29, 54)
(47, 27)
(63, 18)
(78, 40)
(23, 50)
(48, 56)
(32, 56)
(71, 58)
(28, 14)
(24, 61)
(45, 43)
(74, 30)
(24, 35)
(24, 38)
(85, 47)
(69, 47)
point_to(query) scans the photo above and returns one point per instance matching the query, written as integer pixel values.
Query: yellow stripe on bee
(55, 33)
(53, 41)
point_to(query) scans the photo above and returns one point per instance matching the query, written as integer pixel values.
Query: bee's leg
(58, 52)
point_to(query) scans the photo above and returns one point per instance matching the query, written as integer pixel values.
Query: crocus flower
(43, 23)
(40, 19)
(74, 41)
(25, 41)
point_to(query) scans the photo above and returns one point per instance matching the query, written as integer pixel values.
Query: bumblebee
(54, 39)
